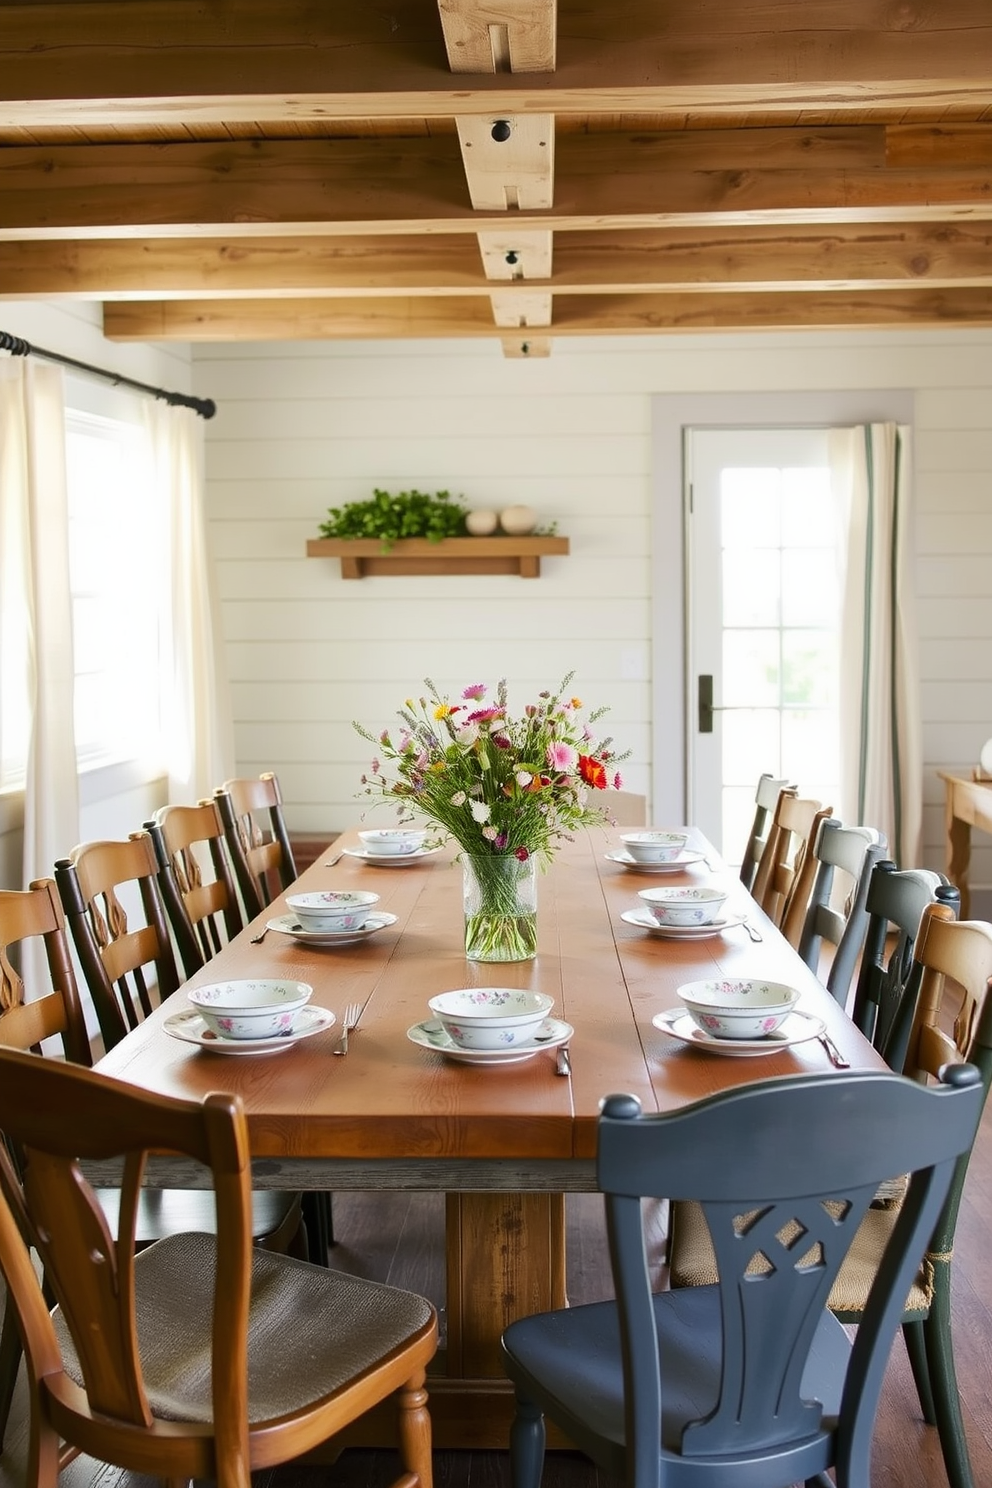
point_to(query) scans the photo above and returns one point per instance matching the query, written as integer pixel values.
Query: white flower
(480, 811)
(490, 834)
(458, 799)
(466, 736)
(523, 778)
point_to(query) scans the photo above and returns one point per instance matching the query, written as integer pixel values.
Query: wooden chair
(256, 832)
(765, 800)
(199, 1357)
(188, 840)
(853, 852)
(628, 809)
(57, 1011)
(785, 874)
(752, 1380)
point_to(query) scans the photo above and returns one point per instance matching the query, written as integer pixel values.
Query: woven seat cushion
(311, 1331)
(692, 1262)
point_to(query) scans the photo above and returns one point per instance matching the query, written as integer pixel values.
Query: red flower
(522, 854)
(592, 772)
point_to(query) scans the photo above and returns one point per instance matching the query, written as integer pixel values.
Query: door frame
(671, 416)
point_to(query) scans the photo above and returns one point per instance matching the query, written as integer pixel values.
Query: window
(116, 544)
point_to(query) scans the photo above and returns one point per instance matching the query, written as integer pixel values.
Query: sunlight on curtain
(881, 728)
(36, 611)
(197, 711)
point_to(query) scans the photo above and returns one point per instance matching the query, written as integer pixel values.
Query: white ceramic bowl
(491, 1017)
(654, 847)
(744, 1009)
(684, 906)
(392, 842)
(331, 909)
(250, 1010)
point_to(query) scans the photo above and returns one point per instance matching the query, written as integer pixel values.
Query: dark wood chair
(200, 1356)
(55, 1011)
(191, 848)
(853, 853)
(257, 836)
(751, 1380)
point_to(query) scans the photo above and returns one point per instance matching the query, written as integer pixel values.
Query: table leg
(958, 853)
(505, 1258)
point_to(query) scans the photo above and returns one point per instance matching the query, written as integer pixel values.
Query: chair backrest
(59, 1116)
(190, 844)
(628, 809)
(786, 872)
(852, 851)
(782, 1207)
(959, 951)
(765, 800)
(123, 963)
(251, 811)
(27, 915)
(887, 986)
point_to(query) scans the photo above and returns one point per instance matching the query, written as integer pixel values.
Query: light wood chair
(55, 1011)
(258, 838)
(765, 800)
(628, 809)
(201, 1356)
(786, 872)
(853, 853)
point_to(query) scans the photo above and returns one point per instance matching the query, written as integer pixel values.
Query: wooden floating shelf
(362, 557)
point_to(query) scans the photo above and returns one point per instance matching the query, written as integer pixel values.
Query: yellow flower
(442, 710)
(576, 702)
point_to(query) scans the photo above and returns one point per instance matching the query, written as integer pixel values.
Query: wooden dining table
(504, 1143)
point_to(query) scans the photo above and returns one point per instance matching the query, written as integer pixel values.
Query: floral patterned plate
(191, 1028)
(289, 925)
(430, 1035)
(645, 920)
(797, 1028)
(390, 860)
(684, 860)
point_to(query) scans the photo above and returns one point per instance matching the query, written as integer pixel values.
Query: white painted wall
(305, 426)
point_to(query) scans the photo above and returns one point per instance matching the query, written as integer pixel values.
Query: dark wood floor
(399, 1239)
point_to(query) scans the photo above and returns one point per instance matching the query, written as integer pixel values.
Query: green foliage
(387, 517)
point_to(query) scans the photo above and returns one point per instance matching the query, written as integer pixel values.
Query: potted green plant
(389, 518)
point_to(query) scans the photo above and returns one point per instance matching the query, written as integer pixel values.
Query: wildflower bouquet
(507, 790)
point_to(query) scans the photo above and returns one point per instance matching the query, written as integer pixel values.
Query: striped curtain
(880, 714)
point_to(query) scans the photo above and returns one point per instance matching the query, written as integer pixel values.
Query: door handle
(704, 703)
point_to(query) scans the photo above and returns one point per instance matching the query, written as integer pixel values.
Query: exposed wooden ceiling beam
(850, 257)
(184, 63)
(499, 36)
(574, 315)
(271, 187)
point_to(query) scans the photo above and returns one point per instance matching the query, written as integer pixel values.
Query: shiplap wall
(305, 426)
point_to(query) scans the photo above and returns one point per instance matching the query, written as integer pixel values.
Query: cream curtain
(36, 605)
(881, 744)
(196, 704)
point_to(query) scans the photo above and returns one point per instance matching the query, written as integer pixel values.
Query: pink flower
(618, 781)
(485, 715)
(522, 854)
(474, 693)
(562, 756)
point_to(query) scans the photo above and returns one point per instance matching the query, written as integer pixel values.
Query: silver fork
(833, 1053)
(352, 1013)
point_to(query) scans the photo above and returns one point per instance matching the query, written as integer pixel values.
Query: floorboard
(399, 1239)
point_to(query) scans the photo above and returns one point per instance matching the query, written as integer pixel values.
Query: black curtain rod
(205, 407)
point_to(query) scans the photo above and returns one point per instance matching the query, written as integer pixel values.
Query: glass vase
(500, 894)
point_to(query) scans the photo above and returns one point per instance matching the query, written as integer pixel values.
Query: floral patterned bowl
(250, 1010)
(393, 842)
(331, 910)
(654, 847)
(491, 1017)
(684, 906)
(744, 1009)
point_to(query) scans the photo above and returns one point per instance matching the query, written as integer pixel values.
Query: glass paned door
(763, 598)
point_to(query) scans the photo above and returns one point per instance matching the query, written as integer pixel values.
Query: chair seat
(293, 1359)
(693, 1264)
(576, 1356)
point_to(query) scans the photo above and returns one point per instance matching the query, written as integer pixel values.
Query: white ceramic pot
(481, 523)
(518, 520)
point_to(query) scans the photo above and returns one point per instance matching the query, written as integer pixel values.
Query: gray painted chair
(853, 851)
(751, 1381)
